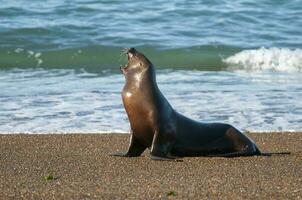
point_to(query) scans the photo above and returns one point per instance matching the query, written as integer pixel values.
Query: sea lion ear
(140, 64)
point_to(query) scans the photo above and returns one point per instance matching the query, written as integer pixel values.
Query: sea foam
(68, 101)
(266, 59)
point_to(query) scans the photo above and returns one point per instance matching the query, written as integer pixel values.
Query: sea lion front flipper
(119, 154)
(135, 149)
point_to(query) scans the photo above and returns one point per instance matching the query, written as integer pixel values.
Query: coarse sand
(77, 166)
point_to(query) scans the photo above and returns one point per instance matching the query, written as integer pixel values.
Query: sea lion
(154, 123)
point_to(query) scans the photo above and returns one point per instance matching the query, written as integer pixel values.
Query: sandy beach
(77, 166)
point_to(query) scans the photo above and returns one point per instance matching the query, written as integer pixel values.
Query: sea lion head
(137, 62)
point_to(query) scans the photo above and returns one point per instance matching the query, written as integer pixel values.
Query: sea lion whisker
(125, 51)
(121, 56)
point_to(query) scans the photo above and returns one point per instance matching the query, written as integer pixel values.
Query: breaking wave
(266, 59)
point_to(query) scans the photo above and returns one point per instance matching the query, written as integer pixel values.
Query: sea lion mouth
(130, 53)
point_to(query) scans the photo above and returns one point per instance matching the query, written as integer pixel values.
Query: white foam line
(273, 131)
(127, 132)
(66, 132)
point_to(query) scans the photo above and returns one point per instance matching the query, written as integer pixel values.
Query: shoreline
(77, 166)
(127, 133)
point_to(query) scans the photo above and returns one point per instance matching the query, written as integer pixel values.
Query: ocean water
(238, 62)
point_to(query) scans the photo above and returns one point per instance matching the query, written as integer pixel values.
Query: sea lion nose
(131, 50)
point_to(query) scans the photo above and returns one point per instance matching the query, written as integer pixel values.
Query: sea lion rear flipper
(168, 158)
(161, 146)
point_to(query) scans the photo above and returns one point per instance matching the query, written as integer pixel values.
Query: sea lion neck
(141, 78)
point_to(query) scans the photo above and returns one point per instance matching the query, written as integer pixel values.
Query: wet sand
(77, 166)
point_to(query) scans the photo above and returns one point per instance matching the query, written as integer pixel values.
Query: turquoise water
(59, 62)
(195, 34)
